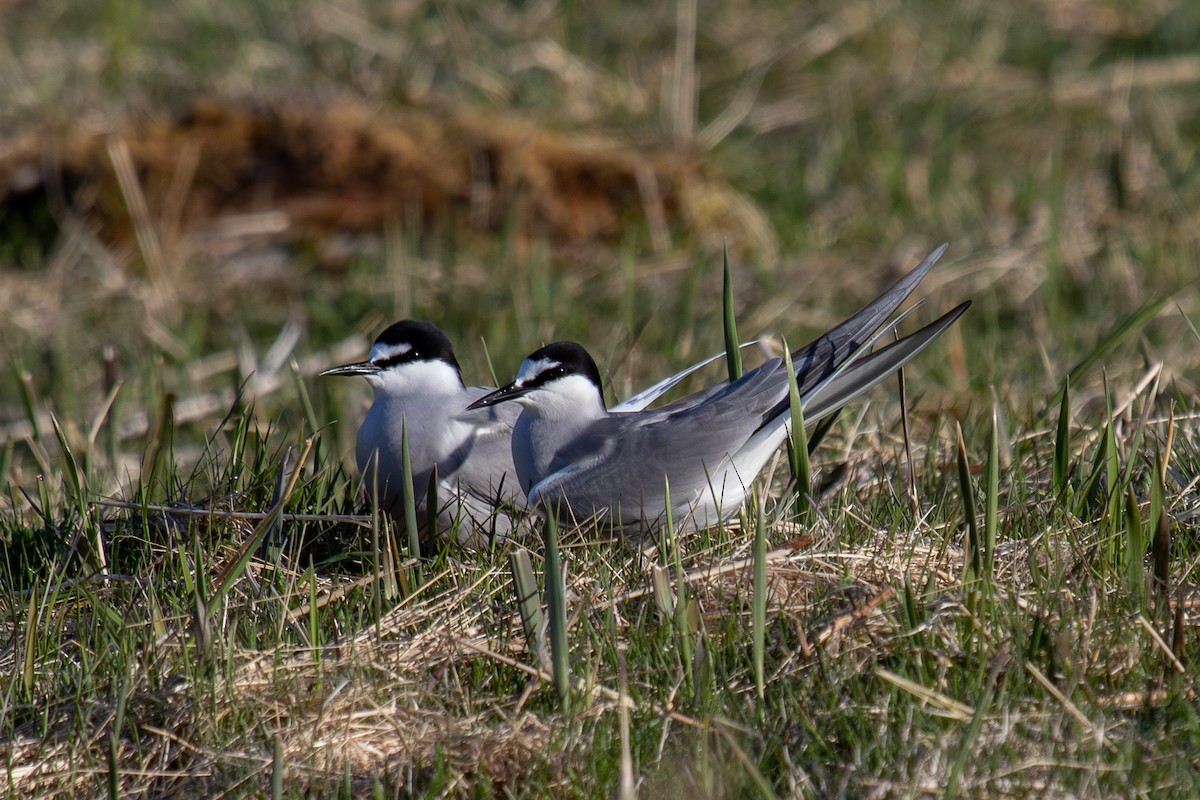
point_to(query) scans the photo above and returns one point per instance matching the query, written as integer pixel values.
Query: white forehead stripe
(530, 369)
(382, 352)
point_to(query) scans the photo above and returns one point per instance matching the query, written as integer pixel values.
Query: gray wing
(819, 359)
(619, 464)
(867, 372)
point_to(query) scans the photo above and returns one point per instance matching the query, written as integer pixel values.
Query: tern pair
(548, 442)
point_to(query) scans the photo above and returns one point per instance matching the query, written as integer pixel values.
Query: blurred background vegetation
(338, 165)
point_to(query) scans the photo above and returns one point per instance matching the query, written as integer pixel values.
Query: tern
(419, 392)
(576, 457)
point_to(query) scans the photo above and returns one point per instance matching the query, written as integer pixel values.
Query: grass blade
(1062, 445)
(1112, 476)
(410, 506)
(733, 353)
(682, 601)
(556, 609)
(528, 603)
(801, 468)
(991, 511)
(29, 646)
(1160, 547)
(974, 565)
(1135, 550)
(1129, 326)
(759, 599)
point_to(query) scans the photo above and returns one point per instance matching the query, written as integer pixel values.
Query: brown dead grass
(305, 168)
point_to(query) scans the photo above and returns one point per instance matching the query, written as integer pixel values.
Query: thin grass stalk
(1062, 446)
(29, 645)
(160, 434)
(733, 353)
(201, 623)
(910, 470)
(801, 467)
(556, 610)
(682, 622)
(1112, 482)
(95, 556)
(114, 741)
(1133, 444)
(276, 768)
(314, 621)
(974, 564)
(487, 359)
(1161, 546)
(1088, 494)
(310, 414)
(29, 402)
(275, 538)
(991, 512)
(1135, 549)
(626, 788)
(410, 506)
(114, 769)
(376, 549)
(759, 600)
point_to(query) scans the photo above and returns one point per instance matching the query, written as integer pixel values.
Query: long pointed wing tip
(933, 257)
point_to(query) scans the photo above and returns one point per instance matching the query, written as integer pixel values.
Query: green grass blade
(991, 512)
(759, 601)
(28, 396)
(1161, 546)
(683, 629)
(410, 506)
(29, 645)
(556, 610)
(310, 414)
(801, 467)
(529, 602)
(733, 353)
(276, 768)
(1112, 477)
(1062, 445)
(1129, 326)
(974, 563)
(160, 439)
(1135, 550)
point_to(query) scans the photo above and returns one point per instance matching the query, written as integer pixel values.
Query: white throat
(423, 377)
(573, 397)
